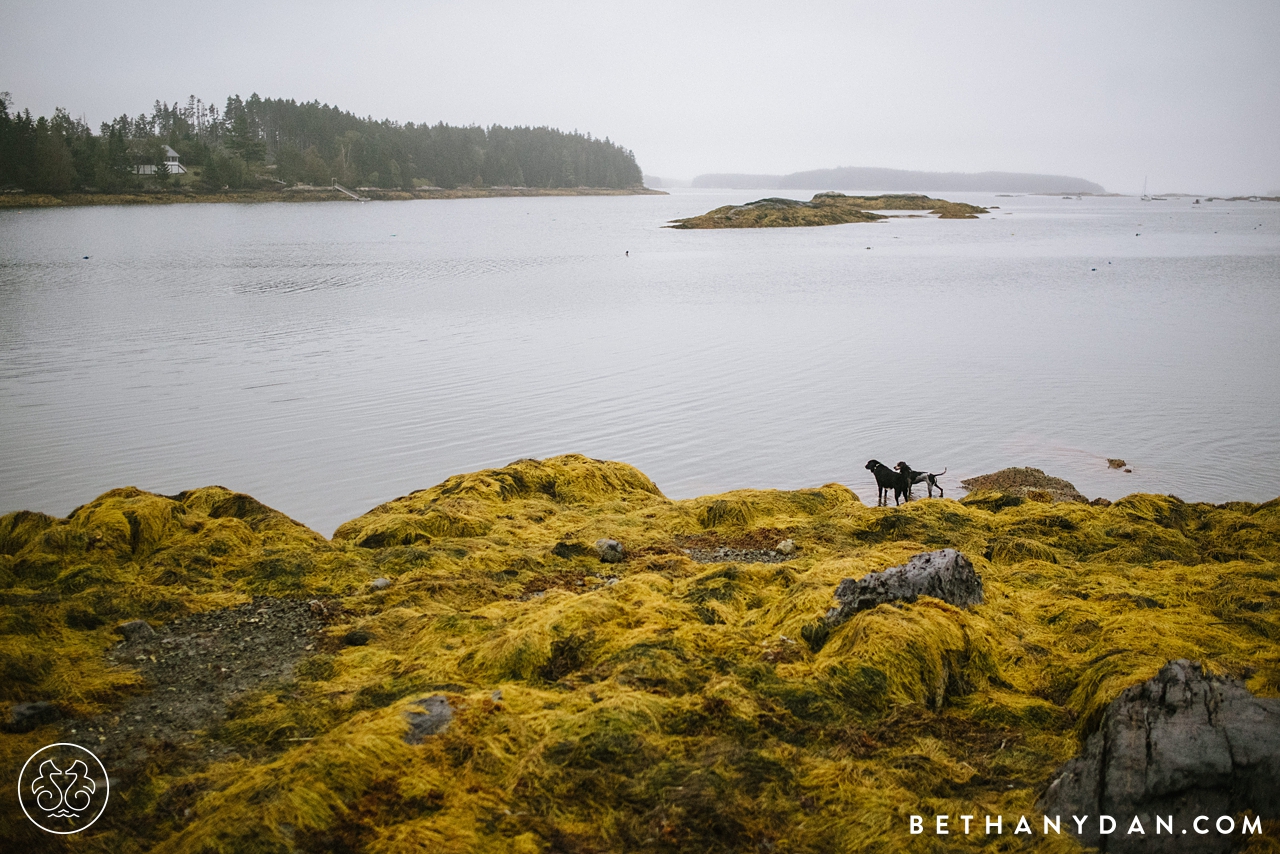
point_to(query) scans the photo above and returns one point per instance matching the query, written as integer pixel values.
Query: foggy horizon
(1183, 96)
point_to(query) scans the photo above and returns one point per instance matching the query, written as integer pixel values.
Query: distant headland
(903, 181)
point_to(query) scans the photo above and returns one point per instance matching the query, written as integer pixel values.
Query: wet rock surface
(609, 551)
(1180, 745)
(946, 574)
(432, 720)
(194, 666)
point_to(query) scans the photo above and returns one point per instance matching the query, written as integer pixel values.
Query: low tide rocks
(656, 703)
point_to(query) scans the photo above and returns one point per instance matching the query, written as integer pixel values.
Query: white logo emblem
(63, 788)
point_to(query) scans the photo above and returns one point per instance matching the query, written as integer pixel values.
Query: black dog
(914, 477)
(886, 479)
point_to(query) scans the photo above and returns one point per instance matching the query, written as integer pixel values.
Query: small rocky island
(824, 209)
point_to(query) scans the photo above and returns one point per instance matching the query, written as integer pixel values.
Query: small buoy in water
(1093, 269)
(868, 247)
(628, 253)
(86, 257)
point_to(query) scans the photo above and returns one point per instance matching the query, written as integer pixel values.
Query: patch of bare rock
(945, 574)
(1180, 745)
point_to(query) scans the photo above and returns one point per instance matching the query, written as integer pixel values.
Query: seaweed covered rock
(1028, 483)
(665, 708)
(823, 209)
(945, 574)
(1182, 744)
(467, 505)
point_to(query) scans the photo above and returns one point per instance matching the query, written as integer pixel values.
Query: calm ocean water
(328, 357)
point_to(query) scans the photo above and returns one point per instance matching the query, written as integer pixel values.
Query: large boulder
(1178, 746)
(945, 574)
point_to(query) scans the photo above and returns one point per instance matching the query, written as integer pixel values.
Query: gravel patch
(194, 666)
(727, 555)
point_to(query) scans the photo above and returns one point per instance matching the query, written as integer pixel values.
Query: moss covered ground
(823, 209)
(655, 705)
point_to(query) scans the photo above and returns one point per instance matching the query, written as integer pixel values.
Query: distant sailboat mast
(1145, 197)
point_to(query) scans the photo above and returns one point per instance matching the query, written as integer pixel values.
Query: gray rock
(380, 584)
(136, 630)
(786, 547)
(24, 717)
(945, 575)
(610, 551)
(432, 720)
(1178, 746)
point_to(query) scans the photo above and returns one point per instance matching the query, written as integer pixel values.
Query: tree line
(255, 140)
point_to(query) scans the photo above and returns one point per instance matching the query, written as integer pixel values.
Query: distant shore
(300, 194)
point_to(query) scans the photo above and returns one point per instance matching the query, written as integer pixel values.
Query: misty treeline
(255, 140)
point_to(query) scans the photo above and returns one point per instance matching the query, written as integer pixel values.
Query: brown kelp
(658, 704)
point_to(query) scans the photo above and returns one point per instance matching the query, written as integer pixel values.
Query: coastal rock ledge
(945, 574)
(1182, 744)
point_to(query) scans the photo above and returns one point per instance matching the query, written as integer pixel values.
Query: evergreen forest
(267, 142)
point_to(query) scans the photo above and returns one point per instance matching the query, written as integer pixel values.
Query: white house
(170, 160)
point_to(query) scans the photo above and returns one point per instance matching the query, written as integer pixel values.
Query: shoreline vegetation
(16, 201)
(263, 145)
(553, 655)
(829, 208)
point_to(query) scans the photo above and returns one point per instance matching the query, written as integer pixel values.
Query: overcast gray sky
(1186, 93)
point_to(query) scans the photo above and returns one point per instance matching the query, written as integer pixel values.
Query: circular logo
(63, 788)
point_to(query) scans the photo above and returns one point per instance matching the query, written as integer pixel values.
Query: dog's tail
(941, 473)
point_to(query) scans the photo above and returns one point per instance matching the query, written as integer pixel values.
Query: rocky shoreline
(553, 655)
(299, 194)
